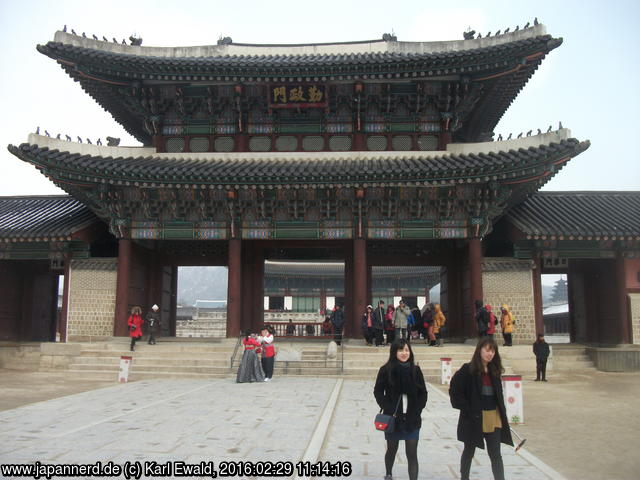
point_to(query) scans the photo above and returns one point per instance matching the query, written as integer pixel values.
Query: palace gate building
(370, 154)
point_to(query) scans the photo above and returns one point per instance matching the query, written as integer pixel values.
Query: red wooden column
(64, 314)
(360, 271)
(536, 278)
(234, 285)
(475, 280)
(257, 291)
(623, 305)
(122, 288)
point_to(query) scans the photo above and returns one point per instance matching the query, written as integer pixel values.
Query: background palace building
(366, 155)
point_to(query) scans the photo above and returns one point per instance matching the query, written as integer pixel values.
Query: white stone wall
(635, 318)
(515, 288)
(92, 299)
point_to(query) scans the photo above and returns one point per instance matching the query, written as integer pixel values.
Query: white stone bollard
(445, 371)
(123, 375)
(512, 387)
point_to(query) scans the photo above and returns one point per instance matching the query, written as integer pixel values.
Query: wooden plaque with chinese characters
(303, 95)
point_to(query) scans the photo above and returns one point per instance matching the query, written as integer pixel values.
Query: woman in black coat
(400, 390)
(476, 390)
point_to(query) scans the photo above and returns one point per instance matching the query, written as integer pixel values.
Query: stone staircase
(570, 357)
(211, 358)
(166, 359)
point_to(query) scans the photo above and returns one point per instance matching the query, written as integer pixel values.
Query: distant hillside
(201, 283)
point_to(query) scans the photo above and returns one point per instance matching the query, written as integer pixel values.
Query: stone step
(573, 364)
(562, 350)
(160, 347)
(155, 375)
(141, 360)
(151, 368)
(299, 364)
(162, 357)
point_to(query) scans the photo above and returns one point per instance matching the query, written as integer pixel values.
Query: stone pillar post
(234, 284)
(122, 288)
(359, 284)
(475, 280)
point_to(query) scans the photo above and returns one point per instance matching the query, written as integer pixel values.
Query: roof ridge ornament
(389, 37)
(469, 34)
(224, 40)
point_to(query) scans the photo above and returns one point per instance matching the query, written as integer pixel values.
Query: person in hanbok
(250, 369)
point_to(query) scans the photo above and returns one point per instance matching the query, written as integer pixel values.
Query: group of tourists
(136, 321)
(486, 322)
(252, 368)
(476, 390)
(403, 322)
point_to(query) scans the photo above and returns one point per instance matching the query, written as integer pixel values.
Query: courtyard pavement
(287, 420)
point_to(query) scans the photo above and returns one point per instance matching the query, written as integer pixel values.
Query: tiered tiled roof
(42, 218)
(502, 63)
(579, 215)
(533, 159)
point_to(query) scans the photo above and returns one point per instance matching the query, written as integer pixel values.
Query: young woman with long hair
(400, 389)
(476, 390)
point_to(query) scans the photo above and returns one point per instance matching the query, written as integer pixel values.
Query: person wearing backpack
(482, 319)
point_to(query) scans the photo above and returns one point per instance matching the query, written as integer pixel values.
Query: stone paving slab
(168, 420)
(352, 436)
(218, 420)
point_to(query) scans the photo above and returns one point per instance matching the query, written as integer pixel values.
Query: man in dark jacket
(337, 319)
(153, 321)
(378, 323)
(541, 351)
(482, 319)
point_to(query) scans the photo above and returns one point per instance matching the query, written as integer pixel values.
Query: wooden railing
(301, 330)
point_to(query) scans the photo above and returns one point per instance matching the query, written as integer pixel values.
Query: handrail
(235, 351)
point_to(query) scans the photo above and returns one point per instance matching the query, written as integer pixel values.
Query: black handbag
(386, 423)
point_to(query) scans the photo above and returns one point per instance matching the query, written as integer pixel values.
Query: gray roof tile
(42, 217)
(579, 214)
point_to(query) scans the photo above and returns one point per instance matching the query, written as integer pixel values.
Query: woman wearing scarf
(400, 390)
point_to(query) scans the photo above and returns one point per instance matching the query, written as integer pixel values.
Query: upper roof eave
(292, 50)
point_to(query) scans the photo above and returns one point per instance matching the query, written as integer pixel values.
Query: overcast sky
(590, 83)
